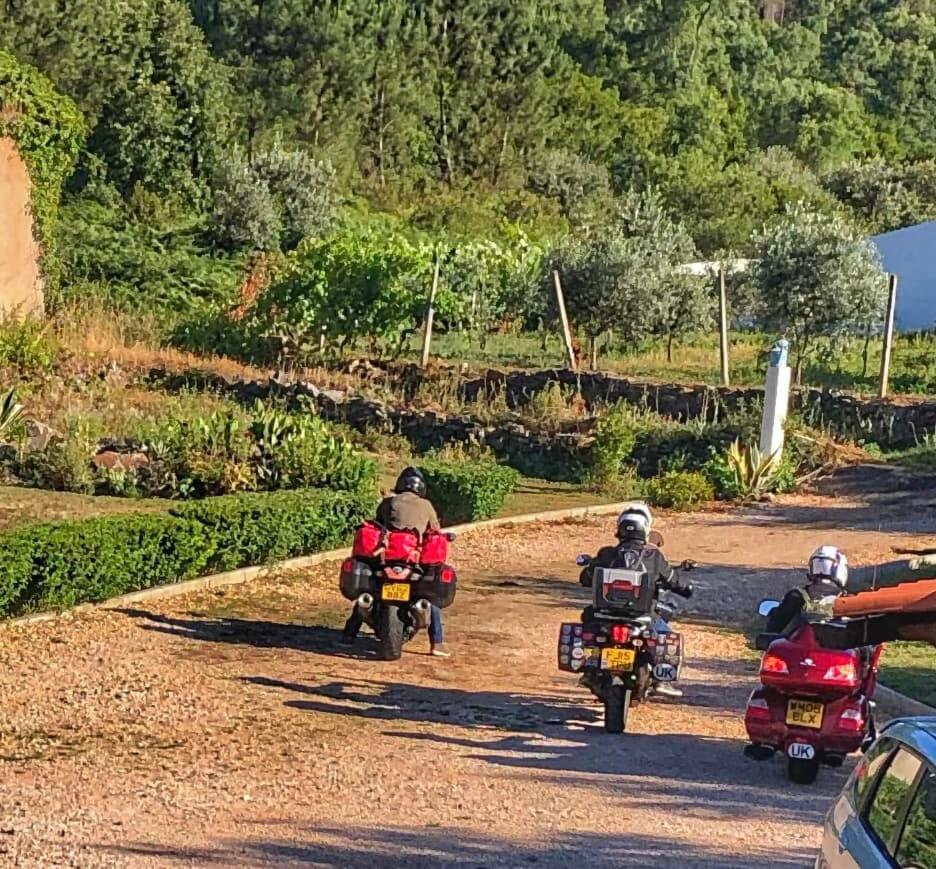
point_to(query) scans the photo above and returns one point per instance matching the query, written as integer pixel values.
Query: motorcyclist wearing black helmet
(636, 546)
(407, 509)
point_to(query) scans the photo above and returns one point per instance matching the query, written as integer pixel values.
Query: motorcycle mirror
(766, 607)
(583, 560)
(450, 536)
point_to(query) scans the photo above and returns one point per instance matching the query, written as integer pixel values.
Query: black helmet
(411, 480)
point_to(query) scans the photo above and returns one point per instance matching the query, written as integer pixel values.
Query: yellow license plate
(396, 591)
(802, 713)
(617, 659)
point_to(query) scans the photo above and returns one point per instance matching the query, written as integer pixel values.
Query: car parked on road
(885, 816)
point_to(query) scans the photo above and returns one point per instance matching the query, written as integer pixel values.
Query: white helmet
(828, 564)
(634, 522)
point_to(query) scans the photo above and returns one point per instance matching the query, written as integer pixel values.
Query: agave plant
(755, 473)
(10, 412)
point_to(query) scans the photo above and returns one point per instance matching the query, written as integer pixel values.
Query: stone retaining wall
(891, 423)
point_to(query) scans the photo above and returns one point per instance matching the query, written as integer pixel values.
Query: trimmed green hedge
(468, 491)
(264, 527)
(59, 565)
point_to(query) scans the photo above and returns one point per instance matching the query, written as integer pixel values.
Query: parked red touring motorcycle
(814, 703)
(393, 577)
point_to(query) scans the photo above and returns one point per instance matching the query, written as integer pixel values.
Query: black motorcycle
(395, 597)
(618, 647)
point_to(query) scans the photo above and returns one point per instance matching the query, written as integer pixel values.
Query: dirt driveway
(228, 729)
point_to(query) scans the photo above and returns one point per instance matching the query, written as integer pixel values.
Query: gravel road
(229, 729)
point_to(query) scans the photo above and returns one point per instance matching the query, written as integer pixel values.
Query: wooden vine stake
(888, 334)
(430, 313)
(566, 331)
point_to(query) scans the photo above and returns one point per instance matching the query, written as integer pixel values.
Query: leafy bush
(62, 564)
(299, 450)
(28, 345)
(65, 464)
(681, 490)
(228, 451)
(469, 490)
(615, 439)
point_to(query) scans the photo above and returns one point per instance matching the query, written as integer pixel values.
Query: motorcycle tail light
(447, 574)
(852, 720)
(620, 633)
(774, 664)
(843, 674)
(758, 709)
(347, 565)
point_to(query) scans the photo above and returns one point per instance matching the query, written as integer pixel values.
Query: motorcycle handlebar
(676, 587)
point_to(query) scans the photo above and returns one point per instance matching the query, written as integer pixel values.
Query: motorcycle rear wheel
(802, 772)
(390, 631)
(617, 703)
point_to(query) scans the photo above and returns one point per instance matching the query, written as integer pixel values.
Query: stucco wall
(20, 283)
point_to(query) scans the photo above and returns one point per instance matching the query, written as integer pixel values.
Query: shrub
(298, 450)
(681, 490)
(745, 472)
(27, 345)
(615, 439)
(468, 490)
(229, 451)
(62, 564)
(65, 464)
(271, 526)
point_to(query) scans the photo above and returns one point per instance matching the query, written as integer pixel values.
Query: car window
(869, 767)
(890, 797)
(918, 842)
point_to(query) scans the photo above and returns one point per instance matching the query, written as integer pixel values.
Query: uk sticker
(664, 673)
(801, 751)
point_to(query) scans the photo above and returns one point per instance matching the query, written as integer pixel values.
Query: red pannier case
(367, 540)
(434, 548)
(373, 541)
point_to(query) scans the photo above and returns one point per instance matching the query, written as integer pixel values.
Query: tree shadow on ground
(431, 705)
(698, 776)
(258, 633)
(445, 848)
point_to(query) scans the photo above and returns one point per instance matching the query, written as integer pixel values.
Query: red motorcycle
(814, 703)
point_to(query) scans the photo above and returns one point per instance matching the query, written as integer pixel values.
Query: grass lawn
(21, 506)
(911, 669)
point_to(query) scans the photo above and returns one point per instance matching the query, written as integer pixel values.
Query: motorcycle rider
(407, 509)
(634, 534)
(827, 578)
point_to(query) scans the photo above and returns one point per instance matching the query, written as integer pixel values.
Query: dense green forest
(216, 128)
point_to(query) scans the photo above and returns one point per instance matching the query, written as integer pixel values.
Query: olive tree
(624, 276)
(816, 277)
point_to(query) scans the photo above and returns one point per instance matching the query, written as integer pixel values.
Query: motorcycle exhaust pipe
(421, 611)
(364, 602)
